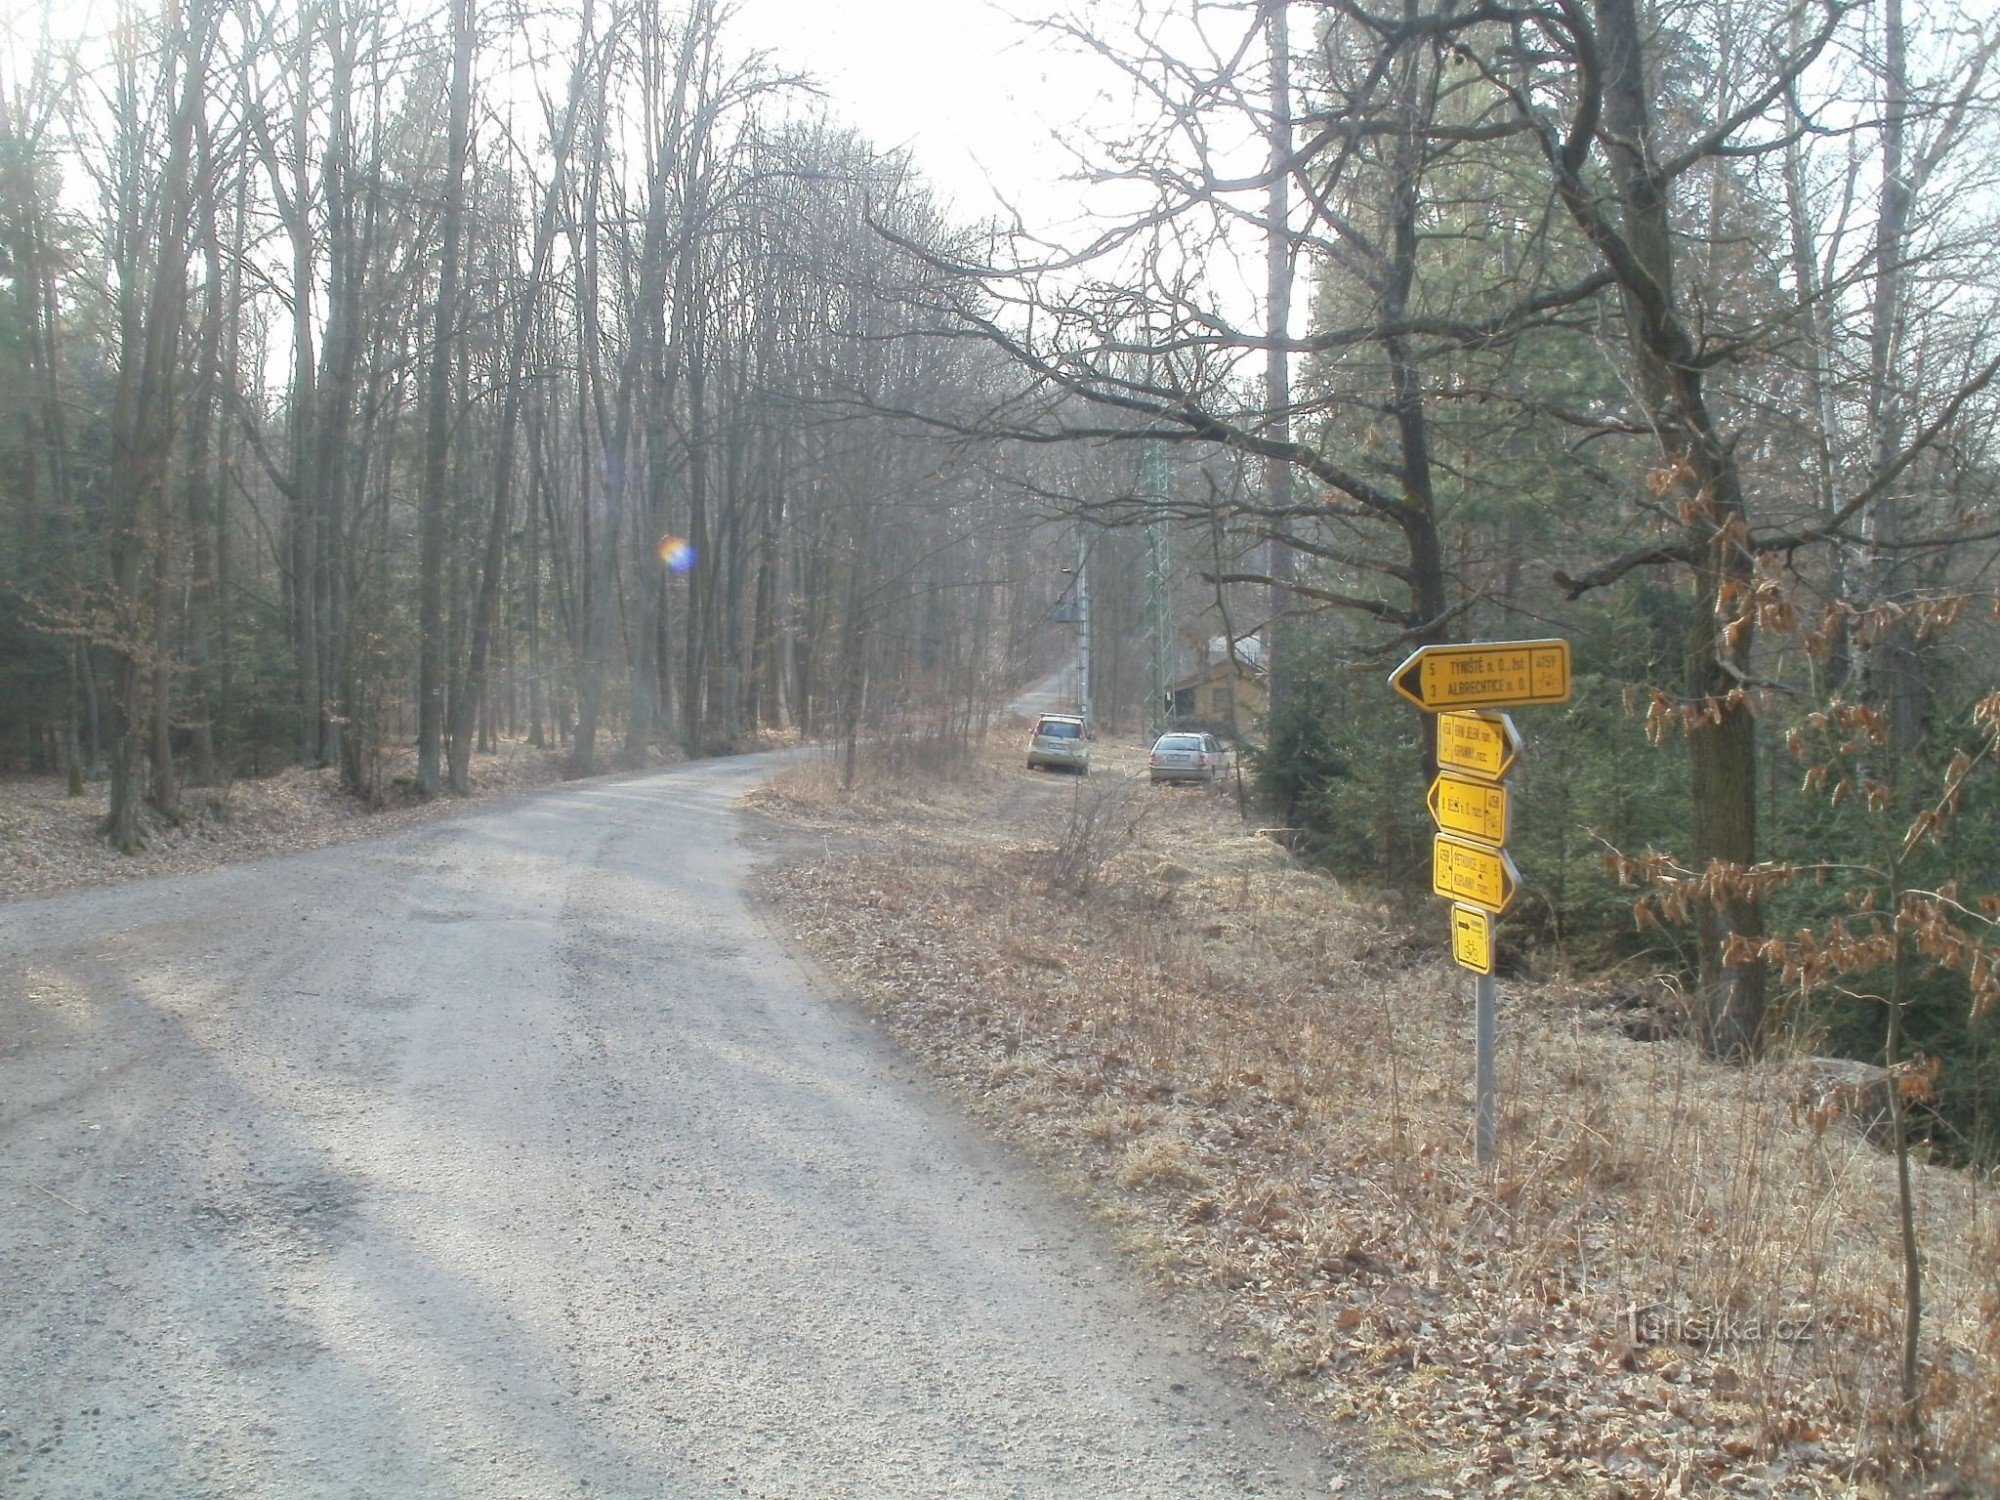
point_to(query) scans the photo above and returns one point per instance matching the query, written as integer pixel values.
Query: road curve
(512, 1157)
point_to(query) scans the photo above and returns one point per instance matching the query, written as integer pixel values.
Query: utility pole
(1278, 315)
(1083, 625)
(1159, 585)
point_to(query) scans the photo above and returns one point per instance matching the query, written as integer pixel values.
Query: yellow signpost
(1472, 938)
(1471, 809)
(1485, 674)
(1479, 744)
(1468, 802)
(1473, 873)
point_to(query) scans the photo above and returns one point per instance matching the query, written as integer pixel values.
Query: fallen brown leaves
(49, 841)
(1671, 1282)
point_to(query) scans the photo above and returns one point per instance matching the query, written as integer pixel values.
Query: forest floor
(1677, 1278)
(49, 841)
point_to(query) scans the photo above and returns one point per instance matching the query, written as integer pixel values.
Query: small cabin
(1220, 689)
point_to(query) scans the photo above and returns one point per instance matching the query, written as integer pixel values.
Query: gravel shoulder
(508, 1154)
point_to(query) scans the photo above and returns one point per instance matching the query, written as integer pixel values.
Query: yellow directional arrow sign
(1485, 674)
(1472, 809)
(1473, 873)
(1477, 744)
(1472, 938)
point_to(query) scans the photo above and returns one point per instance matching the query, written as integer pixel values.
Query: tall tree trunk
(340, 354)
(295, 206)
(695, 643)
(431, 662)
(536, 496)
(1894, 674)
(1809, 293)
(165, 790)
(231, 377)
(1407, 404)
(205, 499)
(597, 541)
(763, 694)
(1722, 745)
(154, 245)
(47, 470)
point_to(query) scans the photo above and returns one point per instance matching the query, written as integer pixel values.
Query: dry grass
(49, 841)
(1269, 1082)
(898, 776)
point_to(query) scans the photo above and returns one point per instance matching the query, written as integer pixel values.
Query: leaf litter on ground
(1674, 1280)
(50, 841)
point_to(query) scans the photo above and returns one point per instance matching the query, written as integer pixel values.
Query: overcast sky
(970, 92)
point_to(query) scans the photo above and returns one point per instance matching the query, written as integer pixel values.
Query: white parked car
(1186, 756)
(1061, 742)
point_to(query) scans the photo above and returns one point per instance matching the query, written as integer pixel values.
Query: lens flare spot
(676, 553)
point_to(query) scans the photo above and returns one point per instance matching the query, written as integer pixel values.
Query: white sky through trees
(974, 93)
(971, 89)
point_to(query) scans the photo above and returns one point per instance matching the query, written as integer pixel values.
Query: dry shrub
(1275, 1083)
(922, 750)
(1102, 823)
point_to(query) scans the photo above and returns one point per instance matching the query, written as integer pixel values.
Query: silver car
(1186, 756)
(1061, 742)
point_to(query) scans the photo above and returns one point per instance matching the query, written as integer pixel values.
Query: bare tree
(149, 195)
(439, 384)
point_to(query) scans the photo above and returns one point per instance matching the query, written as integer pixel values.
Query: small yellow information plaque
(1472, 938)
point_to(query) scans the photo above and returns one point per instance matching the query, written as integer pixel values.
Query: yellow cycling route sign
(1472, 938)
(1485, 674)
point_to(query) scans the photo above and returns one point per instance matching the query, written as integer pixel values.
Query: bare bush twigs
(1103, 821)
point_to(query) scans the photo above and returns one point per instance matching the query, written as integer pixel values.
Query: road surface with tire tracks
(513, 1156)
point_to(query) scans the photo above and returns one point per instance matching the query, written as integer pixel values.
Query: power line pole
(1083, 624)
(1278, 313)
(1159, 584)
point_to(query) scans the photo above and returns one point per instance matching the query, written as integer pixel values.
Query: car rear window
(1057, 730)
(1179, 742)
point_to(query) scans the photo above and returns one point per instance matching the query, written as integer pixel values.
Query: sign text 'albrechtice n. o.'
(1485, 674)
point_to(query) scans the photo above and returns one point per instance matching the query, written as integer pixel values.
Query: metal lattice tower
(1159, 582)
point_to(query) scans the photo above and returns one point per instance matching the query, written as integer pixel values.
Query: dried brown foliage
(1844, 747)
(1267, 1081)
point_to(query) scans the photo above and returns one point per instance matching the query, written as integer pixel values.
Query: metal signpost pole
(1486, 1089)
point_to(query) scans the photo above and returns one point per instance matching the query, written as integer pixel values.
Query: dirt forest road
(512, 1157)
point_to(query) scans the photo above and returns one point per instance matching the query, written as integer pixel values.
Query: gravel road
(512, 1156)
